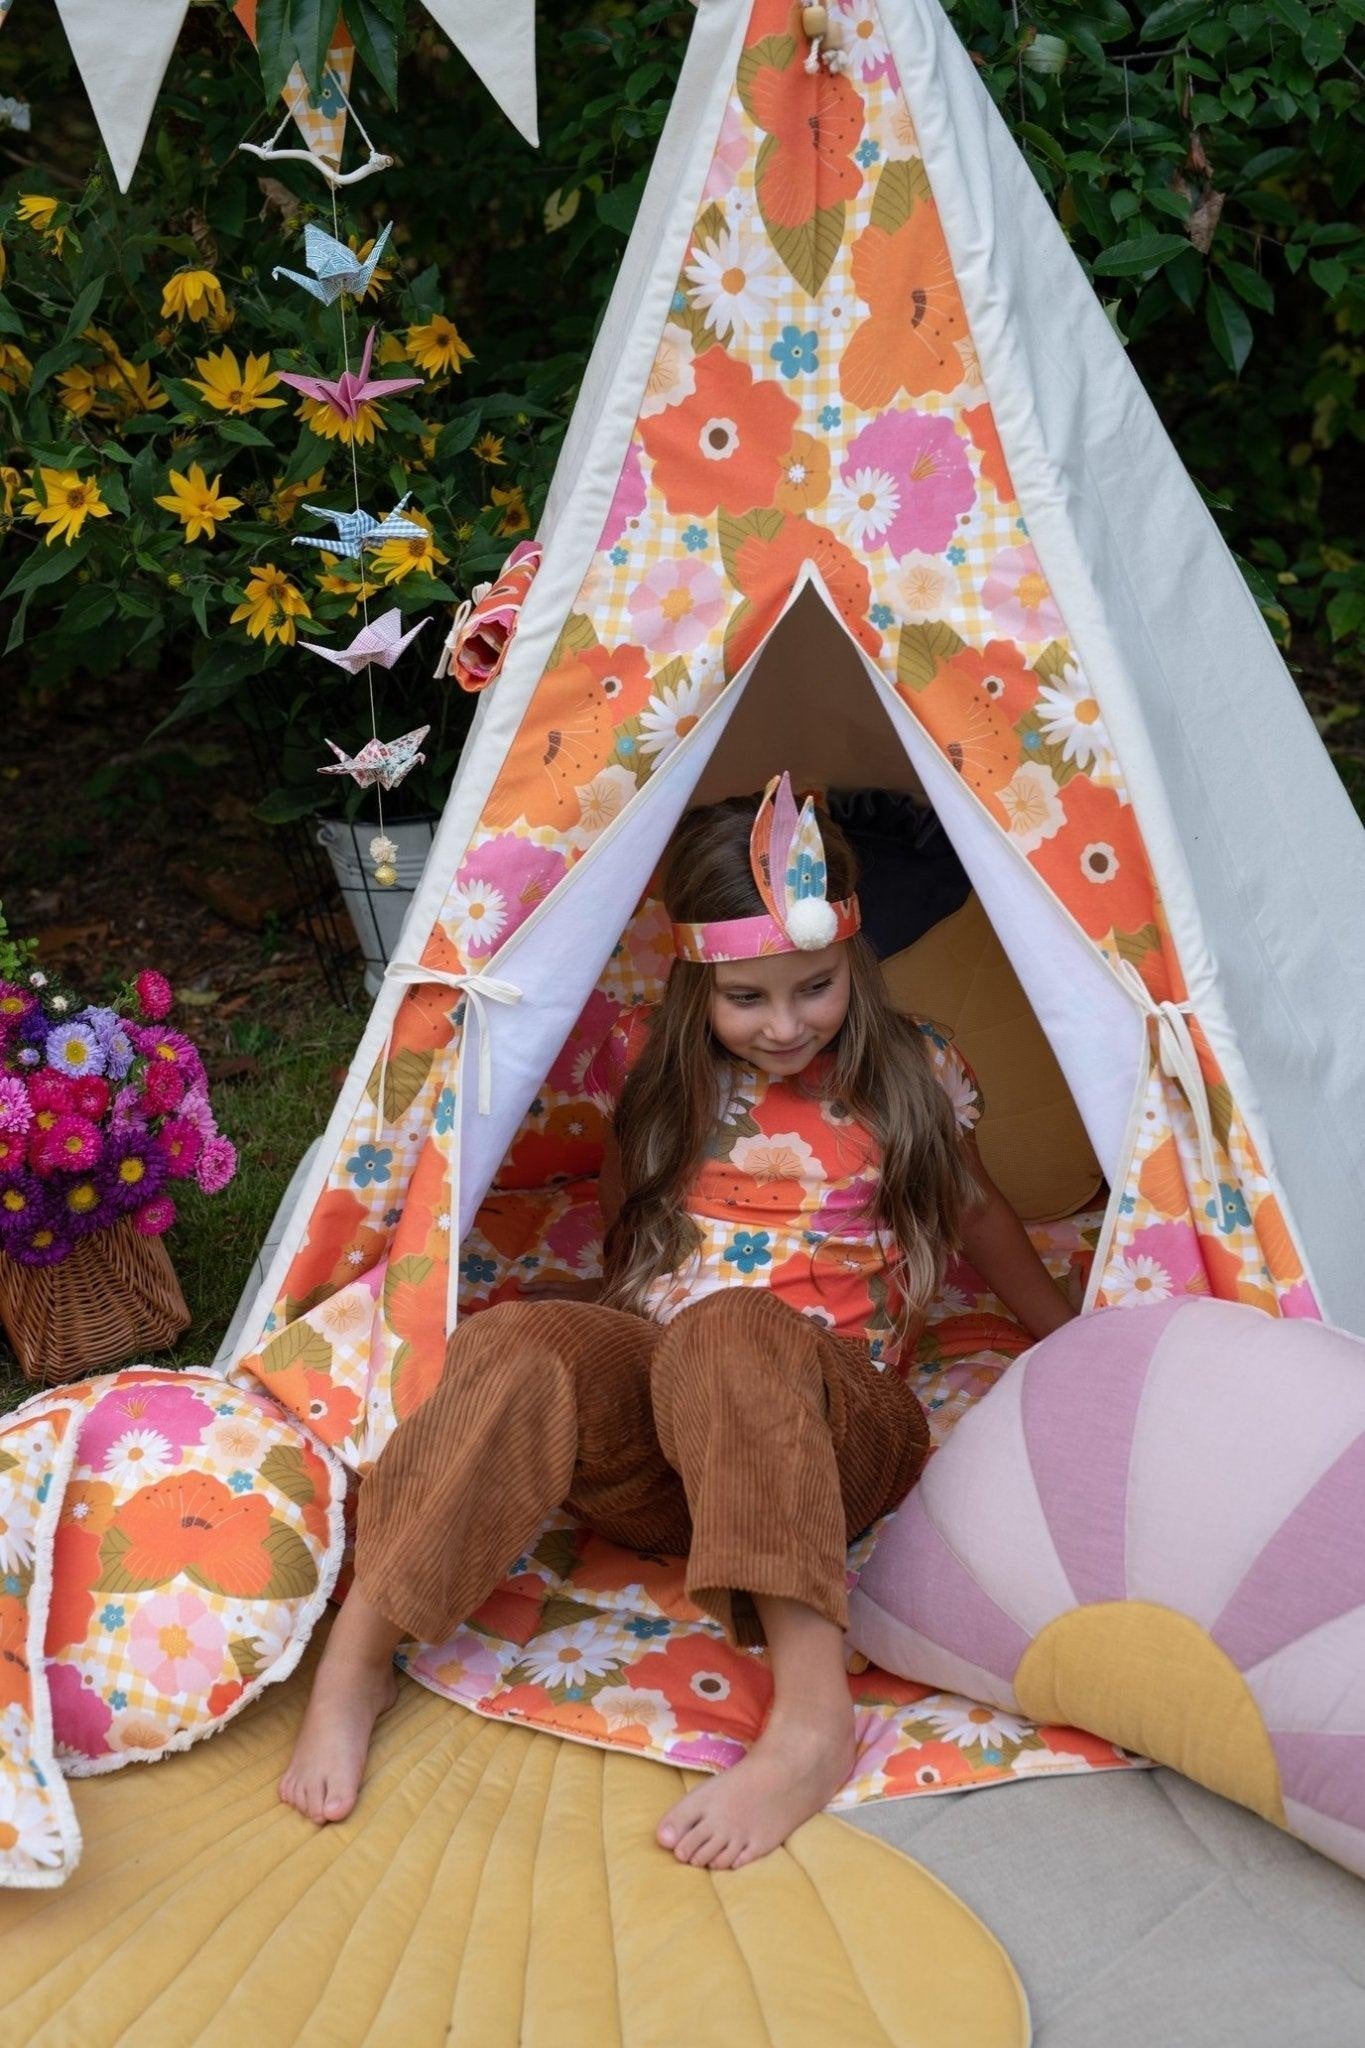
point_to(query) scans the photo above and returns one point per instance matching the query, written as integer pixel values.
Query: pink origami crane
(381, 641)
(347, 393)
(383, 761)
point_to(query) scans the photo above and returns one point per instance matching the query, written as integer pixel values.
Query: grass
(272, 1116)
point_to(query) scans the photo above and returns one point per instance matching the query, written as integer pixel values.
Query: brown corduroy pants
(741, 1435)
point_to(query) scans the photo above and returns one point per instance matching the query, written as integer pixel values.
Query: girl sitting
(792, 1163)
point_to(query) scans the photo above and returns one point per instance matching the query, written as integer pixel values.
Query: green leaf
(243, 433)
(923, 651)
(312, 24)
(274, 47)
(376, 42)
(10, 323)
(87, 608)
(1136, 257)
(1264, 593)
(1249, 285)
(280, 806)
(1267, 160)
(619, 206)
(457, 436)
(297, 1344)
(1172, 18)
(113, 493)
(1324, 41)
(1330, 275)
(54, 359)
(82, 312)
(1229, 327)
(47, 564)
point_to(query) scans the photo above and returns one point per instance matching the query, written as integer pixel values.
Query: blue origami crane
(336, 269)
(358, 530)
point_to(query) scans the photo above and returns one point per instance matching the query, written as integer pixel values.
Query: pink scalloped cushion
(1152, 1528)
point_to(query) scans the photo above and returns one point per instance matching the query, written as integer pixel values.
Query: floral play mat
(599, 1644)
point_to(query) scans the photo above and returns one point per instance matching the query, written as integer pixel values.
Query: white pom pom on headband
(787, 856)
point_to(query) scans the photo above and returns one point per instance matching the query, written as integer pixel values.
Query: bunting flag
(321, 122)
(499, 43)
(122, 54)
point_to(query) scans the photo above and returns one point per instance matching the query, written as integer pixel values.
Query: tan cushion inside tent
(1033, 1143)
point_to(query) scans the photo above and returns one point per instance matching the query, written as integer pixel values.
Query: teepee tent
(861, 483)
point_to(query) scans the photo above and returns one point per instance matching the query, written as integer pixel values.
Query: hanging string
(271, 153)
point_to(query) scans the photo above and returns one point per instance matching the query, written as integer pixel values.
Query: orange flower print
(1097, 864)
(803, 475)
(916, 317)
(722, 447)
(573, 715)
(338, 1215)
(766, 570)
(569, 1148)
(999, 672)
(816, 121)
(980, 424)
(193, 1523)
(14, 1672)
(978, 740)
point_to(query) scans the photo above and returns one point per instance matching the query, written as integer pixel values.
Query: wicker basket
(115, 1297)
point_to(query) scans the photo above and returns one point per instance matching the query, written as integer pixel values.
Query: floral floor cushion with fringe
(600, 1645)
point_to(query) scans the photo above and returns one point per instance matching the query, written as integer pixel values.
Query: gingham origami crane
(383, 761)
(381, 642)
(352, 389)
(357, 530)
(336, 269)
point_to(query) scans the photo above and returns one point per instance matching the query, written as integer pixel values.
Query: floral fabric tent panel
(852, 383)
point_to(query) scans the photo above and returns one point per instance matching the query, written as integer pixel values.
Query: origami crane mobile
(357, 530)
(336, 269)
(381, 642)
(352, 389)
(383, 761)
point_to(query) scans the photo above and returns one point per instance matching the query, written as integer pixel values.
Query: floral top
(780, 1200)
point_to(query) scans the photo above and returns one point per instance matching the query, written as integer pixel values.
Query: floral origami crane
(347, 393)
(357, 530)
(383, 761)
(381, 641)
(336, 269)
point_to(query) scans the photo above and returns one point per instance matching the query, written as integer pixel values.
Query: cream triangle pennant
(497, 38)
(122, 54)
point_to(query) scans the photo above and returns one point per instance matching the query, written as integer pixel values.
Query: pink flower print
(175, 1414)
(1017, 597)
(876, 1737)
(466, 1665)
(522, 875)
(80, 1718)
(649, 941)
(599, 1014)
(177, 1643)
(576, 1231)
(731, 149)
(676, 605)
(926, 459)
(630, 498)
(1174, 1249)
(1300, 1300)
(708, 1752)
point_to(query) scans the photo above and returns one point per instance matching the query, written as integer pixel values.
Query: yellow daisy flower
(78, 390)
(285, 499)
(341, 582)
(390, 350)
(11, 483)
(71, 500)
(38, 210)
(512, 501)
(193, 295)
(489, 449)
(131, 389)
(15, 368)
(399, 558)
(330, 425)
(436, 345)
(271, 605)
(199, 503)
(229, 389)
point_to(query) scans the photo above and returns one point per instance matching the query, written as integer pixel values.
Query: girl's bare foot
(328, 1763)
(793, 1771)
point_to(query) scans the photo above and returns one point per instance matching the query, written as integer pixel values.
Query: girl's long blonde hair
(676, 1093)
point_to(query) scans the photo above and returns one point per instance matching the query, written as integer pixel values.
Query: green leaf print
(113, 1578)
(775, 50)
(299, 1344)
(403, 1080)
(283, 1468)
(901, 186)
(923, 651)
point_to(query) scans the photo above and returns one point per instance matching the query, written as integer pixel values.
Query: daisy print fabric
(39, 1839)
(197, 1539)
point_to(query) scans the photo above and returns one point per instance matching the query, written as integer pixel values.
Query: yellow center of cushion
(1152, 1680)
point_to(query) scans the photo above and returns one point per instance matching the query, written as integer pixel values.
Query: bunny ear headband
(787, 856)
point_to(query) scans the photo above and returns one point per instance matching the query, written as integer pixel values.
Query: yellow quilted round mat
(495, 1888)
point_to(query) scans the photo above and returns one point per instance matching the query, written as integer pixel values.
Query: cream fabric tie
(480, 989)
(1178, 1060)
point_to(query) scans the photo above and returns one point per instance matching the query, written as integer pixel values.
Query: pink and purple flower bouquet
(104, 1108)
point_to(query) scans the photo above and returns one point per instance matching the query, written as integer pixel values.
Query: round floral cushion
(1151, 1528)
(199, 1536)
